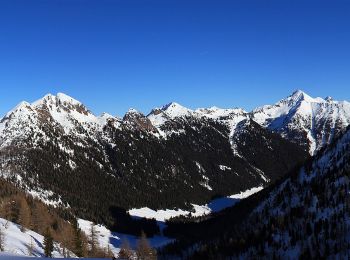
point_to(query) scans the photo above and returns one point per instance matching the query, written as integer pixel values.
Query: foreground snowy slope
(24, 243)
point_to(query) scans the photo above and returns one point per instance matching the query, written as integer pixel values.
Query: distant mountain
(58, 151)
(311, 122)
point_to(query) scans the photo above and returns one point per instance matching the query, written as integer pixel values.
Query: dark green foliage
(78, 240)
(48, 243)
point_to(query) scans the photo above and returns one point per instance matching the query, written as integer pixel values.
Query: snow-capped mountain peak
(300, 95)
(50, 112)
(220, 113)
(329, 99)
(312, 122)
(159, 116)
(67, 99)
(61, 101)
(133, 111)
(20, 107)
(174, 109)
(61, 97)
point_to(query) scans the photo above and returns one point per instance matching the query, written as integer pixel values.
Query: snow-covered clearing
(199, 210)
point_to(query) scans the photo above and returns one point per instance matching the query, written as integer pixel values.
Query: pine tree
(77, 240)
(48, 243)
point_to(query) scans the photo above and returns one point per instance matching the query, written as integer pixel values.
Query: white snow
(163, 215)
(18, 242)
(175, 110)
(65, 98)
(64, 110)
(224, 167)
(133, 111)
(199, 210)
(220, 113)
(46, 197)
(300, 112)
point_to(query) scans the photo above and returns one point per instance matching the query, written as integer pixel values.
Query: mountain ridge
(51, 145)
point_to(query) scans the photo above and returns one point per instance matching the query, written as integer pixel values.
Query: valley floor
(215, 205)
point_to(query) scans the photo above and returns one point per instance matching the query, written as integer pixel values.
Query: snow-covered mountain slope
(24, 243)
(59, 150)
(60, 113)
(312, 122)
(174, 111)
(303, 216)
(307, 215)
(310, 210)
(195, 154)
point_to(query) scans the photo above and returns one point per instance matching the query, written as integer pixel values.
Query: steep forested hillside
(26, 222)
(305, 215)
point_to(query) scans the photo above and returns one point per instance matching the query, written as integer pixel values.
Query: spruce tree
(48, 243)
(78, 240)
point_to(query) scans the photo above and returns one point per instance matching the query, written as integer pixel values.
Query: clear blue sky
(113, 55)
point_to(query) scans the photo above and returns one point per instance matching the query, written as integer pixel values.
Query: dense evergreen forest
(304, 215)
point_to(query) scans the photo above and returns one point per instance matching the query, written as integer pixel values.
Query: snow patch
(198, 210)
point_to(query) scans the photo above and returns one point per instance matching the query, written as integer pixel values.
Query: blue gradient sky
(113, 55)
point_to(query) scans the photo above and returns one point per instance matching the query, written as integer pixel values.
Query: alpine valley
(105, 168)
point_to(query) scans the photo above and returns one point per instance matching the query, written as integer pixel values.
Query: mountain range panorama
(99, 167)
(57, 150)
